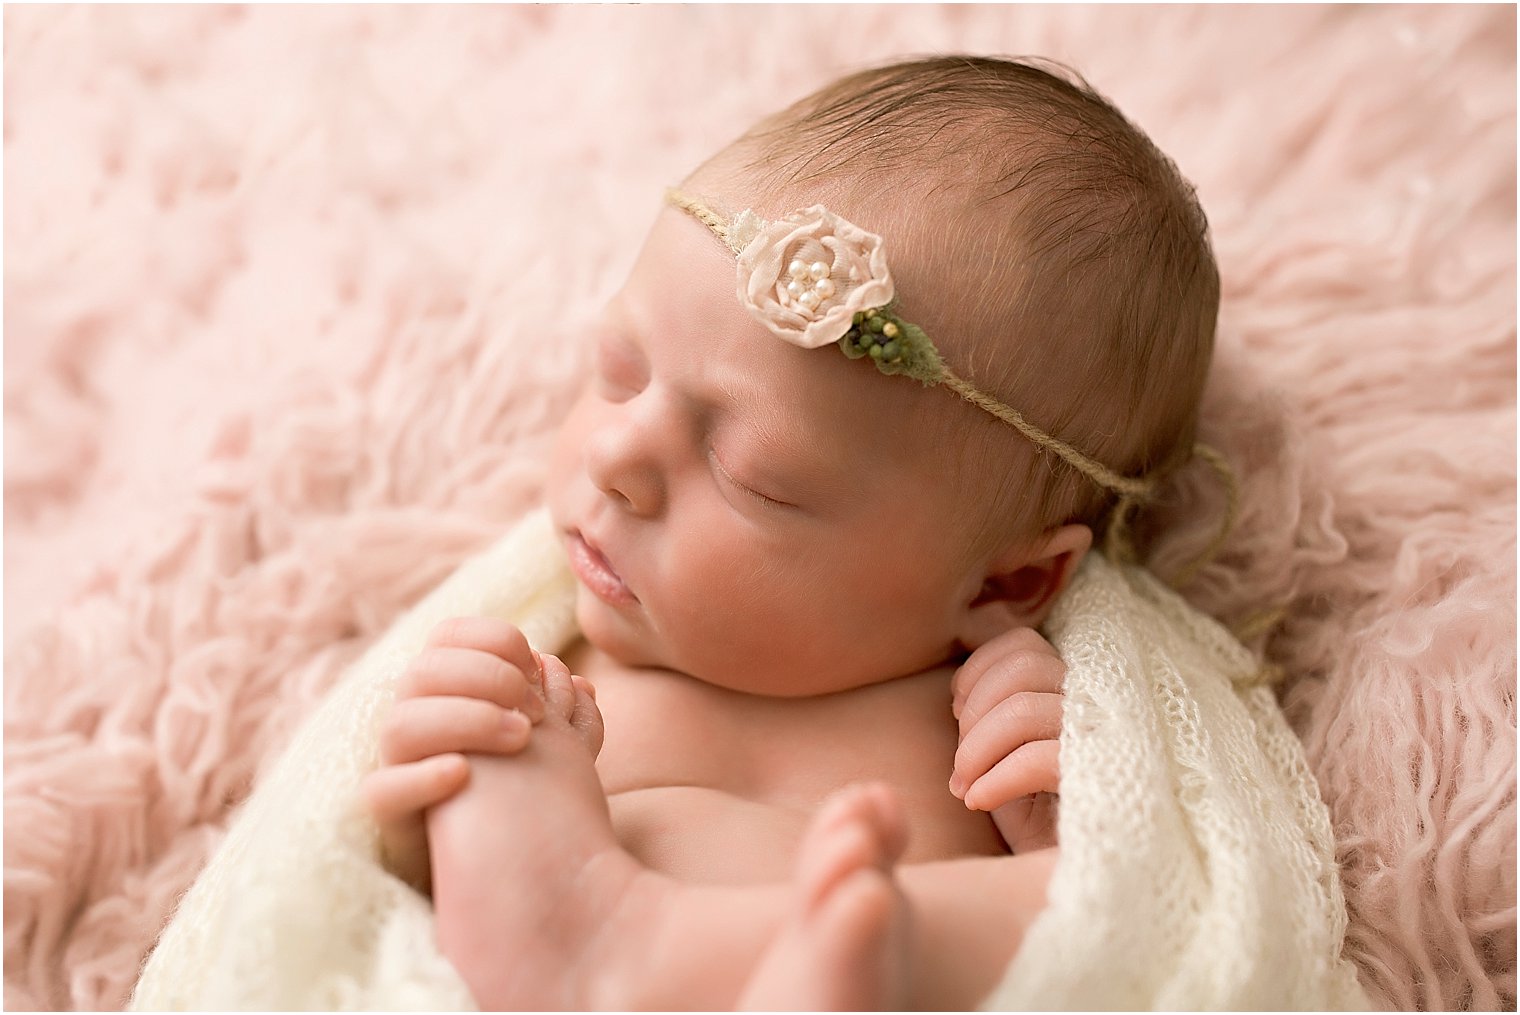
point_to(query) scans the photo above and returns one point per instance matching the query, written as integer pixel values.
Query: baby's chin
(611, 633)
(629, 644)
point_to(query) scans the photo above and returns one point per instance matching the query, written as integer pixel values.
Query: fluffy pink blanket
(290, 306)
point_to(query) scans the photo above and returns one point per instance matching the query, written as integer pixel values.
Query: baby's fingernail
(957, 786)
(514, 722)
(537, 675)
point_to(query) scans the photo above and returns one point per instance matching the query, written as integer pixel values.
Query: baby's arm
(471, 690)
(1007, 698)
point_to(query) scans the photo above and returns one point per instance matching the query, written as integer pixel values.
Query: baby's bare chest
(714, 786)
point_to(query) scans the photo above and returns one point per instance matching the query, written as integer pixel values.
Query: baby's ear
(1021, 585)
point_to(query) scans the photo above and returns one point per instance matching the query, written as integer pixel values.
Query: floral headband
(813, 278)
(837, 289)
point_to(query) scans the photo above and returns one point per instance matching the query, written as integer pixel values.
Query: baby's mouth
(596, 572)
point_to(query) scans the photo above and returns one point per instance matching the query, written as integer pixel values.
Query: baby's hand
(475, 688)
(1007, 697)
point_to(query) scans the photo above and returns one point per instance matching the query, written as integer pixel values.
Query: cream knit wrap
(1197, 868)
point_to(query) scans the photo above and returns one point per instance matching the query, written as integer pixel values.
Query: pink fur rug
(290, 307)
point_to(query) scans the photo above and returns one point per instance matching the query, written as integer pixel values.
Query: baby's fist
(476, 688)
(1007, 699)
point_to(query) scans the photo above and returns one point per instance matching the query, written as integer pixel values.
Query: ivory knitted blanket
(1197, 866)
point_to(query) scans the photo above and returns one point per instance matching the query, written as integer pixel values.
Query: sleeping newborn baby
(883, 368)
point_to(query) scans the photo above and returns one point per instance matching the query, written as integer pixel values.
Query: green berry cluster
(874, 334)
(894, 345)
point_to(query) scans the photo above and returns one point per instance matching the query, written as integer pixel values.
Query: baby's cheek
(731, 623)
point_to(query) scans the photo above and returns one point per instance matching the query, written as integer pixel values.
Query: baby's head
(787, 519)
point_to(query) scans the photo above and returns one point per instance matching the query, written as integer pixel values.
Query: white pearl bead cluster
(810, 284)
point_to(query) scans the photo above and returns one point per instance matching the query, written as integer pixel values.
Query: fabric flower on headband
(806, 276)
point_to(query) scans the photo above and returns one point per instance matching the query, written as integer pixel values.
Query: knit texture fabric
(294, 910)
(1197, 863)
(1197, 866)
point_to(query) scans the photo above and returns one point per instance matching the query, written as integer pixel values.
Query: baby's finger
(501, 638)
(1025, 672)
(1033, 768)
(394, 794)
(472, 673)
(559, 687)
(586, 717)
(1014, 722)
(1009, 644)
(417, 728)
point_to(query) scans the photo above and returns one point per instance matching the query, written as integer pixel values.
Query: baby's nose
(623, 462)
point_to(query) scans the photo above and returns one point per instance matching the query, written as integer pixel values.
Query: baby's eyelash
(768, 501)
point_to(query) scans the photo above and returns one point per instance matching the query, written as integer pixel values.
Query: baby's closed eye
(744, 486)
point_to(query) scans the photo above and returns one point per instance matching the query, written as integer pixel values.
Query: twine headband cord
(838, 289)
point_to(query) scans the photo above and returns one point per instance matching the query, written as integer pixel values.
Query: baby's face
(763, 517)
